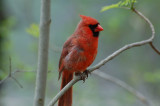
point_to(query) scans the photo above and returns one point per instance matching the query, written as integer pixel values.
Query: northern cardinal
(79, 51)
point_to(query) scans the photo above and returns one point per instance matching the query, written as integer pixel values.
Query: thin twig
(10, 67)
(10, 75)
(151, 26)
(147, 20)
(113, 55)
(17, 82)
(2, 81)
(123, 85)
(153, 47)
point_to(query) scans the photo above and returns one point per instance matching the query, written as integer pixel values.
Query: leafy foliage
(120, 4)
(33, 30)
(6, 25)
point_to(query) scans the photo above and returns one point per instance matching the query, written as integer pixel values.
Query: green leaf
(33, 30)
(105, 8)
(120, 4)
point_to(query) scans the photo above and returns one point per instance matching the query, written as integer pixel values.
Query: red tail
(66, 99)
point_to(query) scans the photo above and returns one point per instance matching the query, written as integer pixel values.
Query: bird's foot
(83, 75)
(86, 72)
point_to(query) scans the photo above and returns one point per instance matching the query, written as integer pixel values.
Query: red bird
(79, 51)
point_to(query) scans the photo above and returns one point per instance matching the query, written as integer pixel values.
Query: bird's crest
(88, 20)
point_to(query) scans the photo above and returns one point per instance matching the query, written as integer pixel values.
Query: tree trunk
(42, 54)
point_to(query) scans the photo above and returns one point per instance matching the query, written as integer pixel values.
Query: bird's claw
(83, 75)
(86, 72)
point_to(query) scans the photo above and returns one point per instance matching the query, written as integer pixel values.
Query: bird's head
(92, 23)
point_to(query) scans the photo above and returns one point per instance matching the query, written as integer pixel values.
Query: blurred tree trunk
(42, 54)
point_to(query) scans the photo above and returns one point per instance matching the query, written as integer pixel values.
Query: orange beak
(98, 28)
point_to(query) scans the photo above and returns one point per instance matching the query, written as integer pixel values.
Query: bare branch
(116, 53)
(151, 26)
(17, 82)
(10, 67)
(71, 83)
(148, 21)
(153, 47)
(123, 85)
(136, 44)
(3, 80)
(10, 75)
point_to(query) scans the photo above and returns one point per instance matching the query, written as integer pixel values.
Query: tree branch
(147, 20)
(10, 75)
(17, 82)
(71, 83)
(42, 68)
(3, 80)
(151, 26)
(153, 47)
(123, 85)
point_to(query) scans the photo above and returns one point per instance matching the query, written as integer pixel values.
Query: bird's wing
(66, 48)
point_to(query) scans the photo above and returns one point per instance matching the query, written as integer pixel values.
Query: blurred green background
(139, 67)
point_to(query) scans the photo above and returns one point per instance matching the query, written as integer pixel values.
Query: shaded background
(139, 67)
